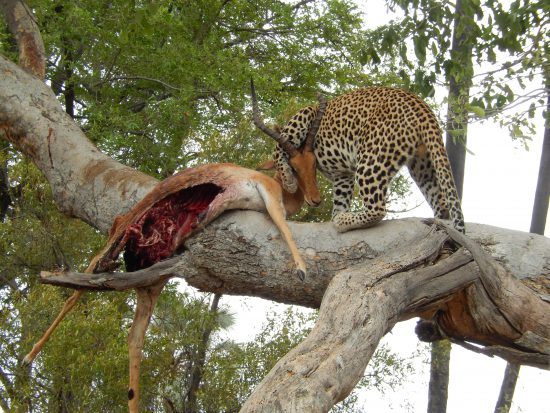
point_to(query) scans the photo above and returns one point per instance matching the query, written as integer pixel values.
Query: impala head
(301, 161)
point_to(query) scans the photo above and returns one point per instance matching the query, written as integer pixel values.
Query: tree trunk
(507, 388)
(542, 193)
(459, 91)
(538, 224)
(439, 376)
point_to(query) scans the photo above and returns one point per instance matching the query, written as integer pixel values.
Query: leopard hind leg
(423, 174)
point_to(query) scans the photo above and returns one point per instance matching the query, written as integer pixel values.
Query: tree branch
(85, 183)
(119, 281)
(241, 253)
(22, 24)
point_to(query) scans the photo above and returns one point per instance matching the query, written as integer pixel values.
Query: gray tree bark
(438, 388)
(86, 183)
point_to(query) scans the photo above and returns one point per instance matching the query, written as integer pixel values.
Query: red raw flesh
(160, 232)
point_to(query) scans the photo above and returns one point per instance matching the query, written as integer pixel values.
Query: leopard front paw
(290, 185)
(341, 222)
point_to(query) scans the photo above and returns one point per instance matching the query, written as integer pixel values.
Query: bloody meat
(160, 232)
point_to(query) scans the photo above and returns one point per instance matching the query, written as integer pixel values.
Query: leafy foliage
(152, 82)
(507, 39)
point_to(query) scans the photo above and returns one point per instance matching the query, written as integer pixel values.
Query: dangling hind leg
(67, 307)
(146, 300)
(423, 173)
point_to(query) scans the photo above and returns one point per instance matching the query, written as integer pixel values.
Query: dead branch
(118, 281)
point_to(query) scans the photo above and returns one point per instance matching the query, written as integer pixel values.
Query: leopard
(364, 138)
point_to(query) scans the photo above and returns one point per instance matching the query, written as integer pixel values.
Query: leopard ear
(266, 166)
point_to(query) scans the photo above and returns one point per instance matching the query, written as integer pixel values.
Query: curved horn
(310, 138)
(285, 144)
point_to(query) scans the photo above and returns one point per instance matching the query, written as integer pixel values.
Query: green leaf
(477, 110)
(420, 44)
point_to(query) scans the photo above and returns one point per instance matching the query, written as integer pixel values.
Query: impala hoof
(301, 274)
(27, 361)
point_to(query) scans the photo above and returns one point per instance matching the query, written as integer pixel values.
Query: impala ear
(266, 166)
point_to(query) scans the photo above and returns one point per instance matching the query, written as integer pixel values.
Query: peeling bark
(86, 183)
(22, 24)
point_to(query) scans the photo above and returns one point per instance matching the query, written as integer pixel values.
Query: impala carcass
(157, 226)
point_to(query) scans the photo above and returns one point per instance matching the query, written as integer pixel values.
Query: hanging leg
(67, 307)
(270, 191)
(146, 300)
(69, 304)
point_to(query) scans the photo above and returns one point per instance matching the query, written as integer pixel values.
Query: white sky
(499, 188)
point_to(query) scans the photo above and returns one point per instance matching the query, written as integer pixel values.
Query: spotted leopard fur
(365, 137)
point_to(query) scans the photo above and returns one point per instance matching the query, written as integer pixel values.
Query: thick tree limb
(360, 305)
(241, 253)
(85, 183)
(22, 24)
